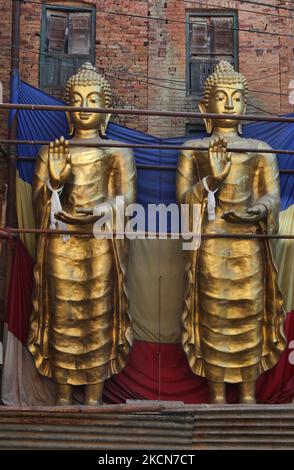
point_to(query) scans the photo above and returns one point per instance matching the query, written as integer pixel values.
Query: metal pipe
(144, 112)
(144, 147)
(15, 41)
(145, 167)
(6, 232)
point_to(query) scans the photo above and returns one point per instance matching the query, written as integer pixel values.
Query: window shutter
(50, 72)
(79, 38)
(223, 36)
(67, 42)
(199, 71)
(199, 36)
(211, 38)
(194, 78)
(67, 69)
(56, 31)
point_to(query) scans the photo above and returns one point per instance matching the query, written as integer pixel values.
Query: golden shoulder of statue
(233, 313)
(80, 330)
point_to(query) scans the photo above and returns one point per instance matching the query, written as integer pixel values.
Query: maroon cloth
(154, 371)
(161, 372)
(19, 302)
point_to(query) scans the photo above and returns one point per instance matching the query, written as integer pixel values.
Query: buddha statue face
(227, 99)
(88, 89)
(225, 92)
(90, 96)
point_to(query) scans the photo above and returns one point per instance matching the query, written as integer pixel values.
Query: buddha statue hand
(254, 214)
(59, 162)
(77, 219)
(85, 215)
(219, 162)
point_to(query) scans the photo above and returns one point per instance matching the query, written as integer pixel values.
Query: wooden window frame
(208, 13)
(62, 56)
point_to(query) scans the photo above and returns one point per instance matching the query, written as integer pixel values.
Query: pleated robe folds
(233, 316)
(80, 331)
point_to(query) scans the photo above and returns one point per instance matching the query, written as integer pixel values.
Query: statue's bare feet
(63, 395)
(217, 392)
(93, 396)
(247, 393)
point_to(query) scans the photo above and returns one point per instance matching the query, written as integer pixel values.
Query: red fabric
(162, 372)
(277, 385)
(19, 302)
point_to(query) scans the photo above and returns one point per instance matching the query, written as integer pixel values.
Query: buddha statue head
(88, 89)
(225, 92)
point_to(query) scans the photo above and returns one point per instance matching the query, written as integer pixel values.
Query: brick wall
(260, 55)
(5, 40)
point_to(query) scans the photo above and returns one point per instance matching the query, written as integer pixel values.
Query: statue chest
(89, 177)
(237, 187)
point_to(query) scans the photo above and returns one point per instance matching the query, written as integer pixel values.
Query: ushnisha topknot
(88, 75)
(223, 73)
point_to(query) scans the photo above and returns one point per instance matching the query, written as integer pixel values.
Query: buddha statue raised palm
(233, 316)
(80, 331)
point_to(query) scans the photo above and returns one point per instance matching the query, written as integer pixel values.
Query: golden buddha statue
(233, 315)
(80, 332)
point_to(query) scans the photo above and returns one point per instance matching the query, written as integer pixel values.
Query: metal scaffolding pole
(14, 70)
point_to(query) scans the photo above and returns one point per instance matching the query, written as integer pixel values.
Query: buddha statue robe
(233, 316)
(80, 327)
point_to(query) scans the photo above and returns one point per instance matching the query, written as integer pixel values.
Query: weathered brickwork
(145, 59)
(260, 56)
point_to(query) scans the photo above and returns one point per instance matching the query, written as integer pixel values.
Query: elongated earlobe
(104, 125)
(240, 132)
(70, 124)
(207, 122)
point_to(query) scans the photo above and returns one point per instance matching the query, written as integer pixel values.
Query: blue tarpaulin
(154, 186)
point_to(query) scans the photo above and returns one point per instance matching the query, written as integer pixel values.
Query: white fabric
(56, 207)
(22, 385)
(111, 221)
(210, 200)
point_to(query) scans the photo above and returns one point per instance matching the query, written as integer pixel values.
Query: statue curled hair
(88, 75)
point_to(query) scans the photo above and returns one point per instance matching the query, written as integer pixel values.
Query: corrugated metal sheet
(94, 429)
(149, 427)
(254, 427)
